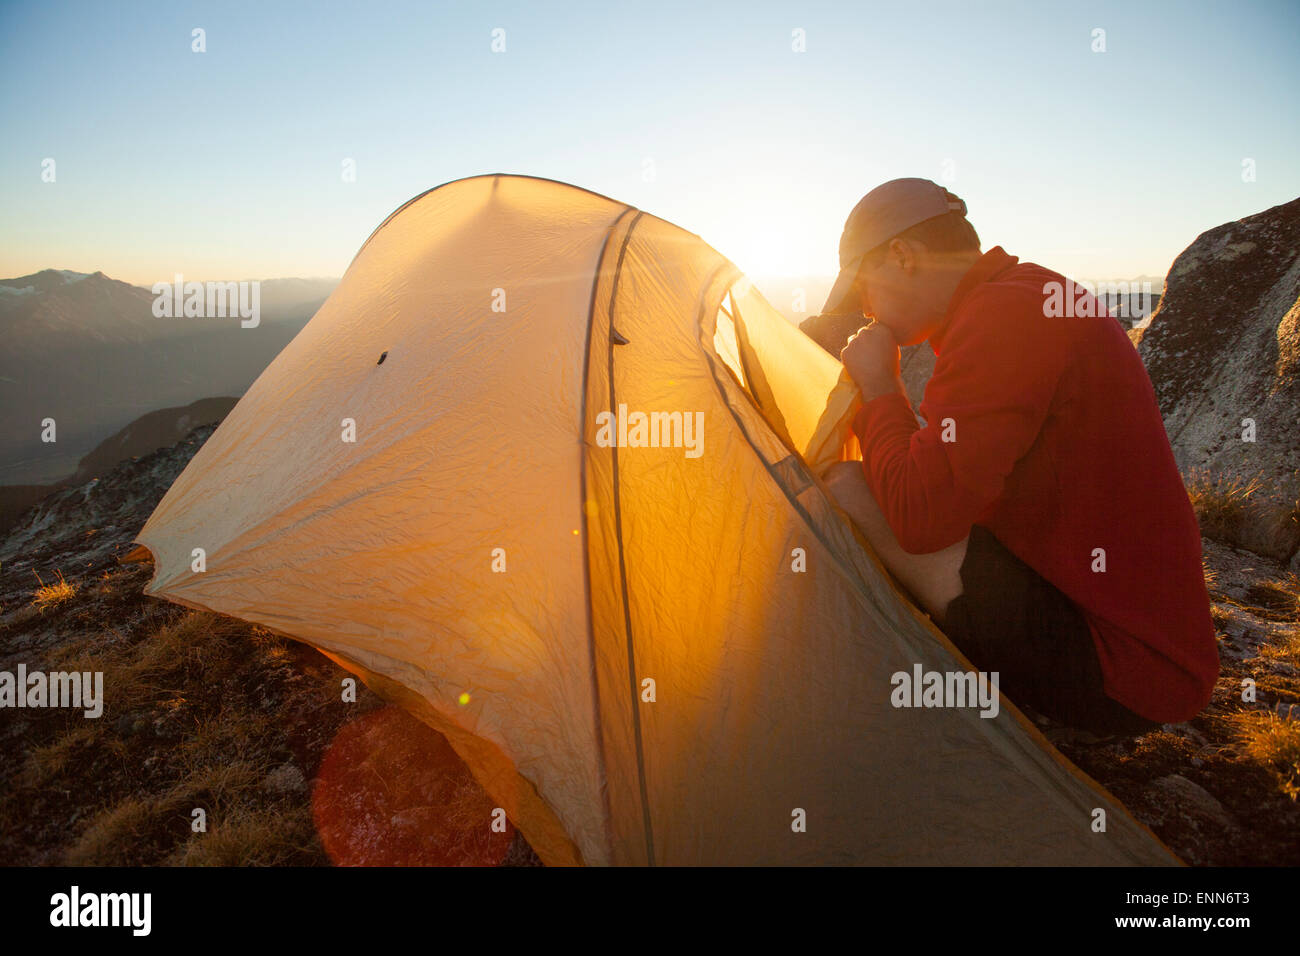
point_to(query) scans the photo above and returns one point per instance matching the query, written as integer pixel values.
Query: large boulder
(1223, 352)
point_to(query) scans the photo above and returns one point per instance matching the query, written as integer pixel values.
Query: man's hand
(871, 357)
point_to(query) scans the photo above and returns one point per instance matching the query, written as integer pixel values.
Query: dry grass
(275, 836)
(1284, 647)
(1225, 505)
(1260, 514)
(196, 649)
(1274, 743)
(52, 595)
(214, 737)
(1282, 595)
(240, 828)
(45, 764)
(115, 837)
(1211, 576)
(196, 642)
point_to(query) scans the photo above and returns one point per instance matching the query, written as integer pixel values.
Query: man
(1038, 516)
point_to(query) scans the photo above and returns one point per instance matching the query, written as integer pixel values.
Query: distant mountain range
(88, 352)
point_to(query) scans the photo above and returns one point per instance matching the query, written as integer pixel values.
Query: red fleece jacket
(1057, 447)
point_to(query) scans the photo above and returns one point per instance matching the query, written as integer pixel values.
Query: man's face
(885, 294)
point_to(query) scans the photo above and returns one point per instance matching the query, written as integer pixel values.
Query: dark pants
(1011, 620)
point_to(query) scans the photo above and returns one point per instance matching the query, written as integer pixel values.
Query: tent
(544, 470)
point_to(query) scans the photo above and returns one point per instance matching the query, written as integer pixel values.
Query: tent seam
(622, 566)
(586, 541)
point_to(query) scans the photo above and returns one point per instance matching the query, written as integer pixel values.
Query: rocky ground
(1220, 790)
(207, 713)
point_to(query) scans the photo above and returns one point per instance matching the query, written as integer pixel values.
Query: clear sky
(227, 164)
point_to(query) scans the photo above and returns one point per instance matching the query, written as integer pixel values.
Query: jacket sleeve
(991, 391)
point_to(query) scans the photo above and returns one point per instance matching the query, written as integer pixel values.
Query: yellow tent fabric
(833, 439)
(677, 653)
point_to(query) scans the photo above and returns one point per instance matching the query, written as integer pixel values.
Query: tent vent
(616, 337)
(382, 356)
